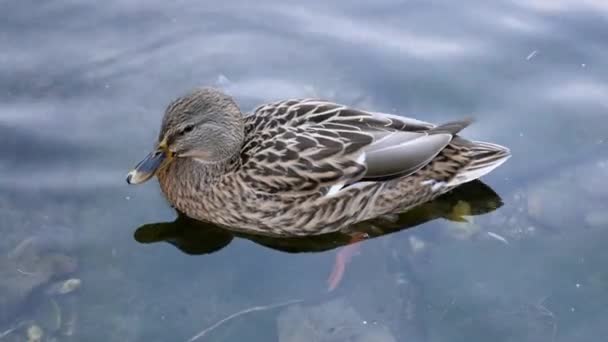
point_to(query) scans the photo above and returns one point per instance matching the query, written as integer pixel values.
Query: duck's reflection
(195, 237)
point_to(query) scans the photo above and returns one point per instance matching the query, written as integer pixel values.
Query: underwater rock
(573, 198)
(597, 219)
(332, 321)
(511, 222)
(461, 224)
(34, 333)
(63, 287)
(25, 271)
(568, 199)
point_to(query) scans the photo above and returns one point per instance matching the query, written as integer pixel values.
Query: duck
(305, 166)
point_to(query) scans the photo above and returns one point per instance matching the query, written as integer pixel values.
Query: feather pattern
(309, 145)
(310, 166)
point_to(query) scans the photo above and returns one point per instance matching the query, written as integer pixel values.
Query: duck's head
(205, 125)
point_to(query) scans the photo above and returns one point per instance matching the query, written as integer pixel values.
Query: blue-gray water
(82, 89)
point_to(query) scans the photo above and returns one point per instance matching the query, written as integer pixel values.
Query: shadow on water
(196, 237)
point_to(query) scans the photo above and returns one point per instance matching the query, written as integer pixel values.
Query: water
(83, 87)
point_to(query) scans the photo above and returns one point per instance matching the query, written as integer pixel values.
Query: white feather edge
(334, 189)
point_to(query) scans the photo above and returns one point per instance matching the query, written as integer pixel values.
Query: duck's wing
(313, 145)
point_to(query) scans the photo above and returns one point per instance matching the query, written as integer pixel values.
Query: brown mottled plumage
(304, 166)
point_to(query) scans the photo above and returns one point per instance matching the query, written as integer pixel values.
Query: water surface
(83, 86)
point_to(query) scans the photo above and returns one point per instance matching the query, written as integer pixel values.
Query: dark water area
(519, 257)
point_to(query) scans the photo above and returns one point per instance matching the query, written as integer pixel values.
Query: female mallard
(304, 166)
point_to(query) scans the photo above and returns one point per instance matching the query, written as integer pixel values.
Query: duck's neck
(190, 178)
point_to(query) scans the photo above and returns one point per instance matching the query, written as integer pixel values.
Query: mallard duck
(304, 167)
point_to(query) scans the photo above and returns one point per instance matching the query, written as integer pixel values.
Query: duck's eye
(187, 129)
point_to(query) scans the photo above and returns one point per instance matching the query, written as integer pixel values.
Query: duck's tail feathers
(485, 158)
(453, 127)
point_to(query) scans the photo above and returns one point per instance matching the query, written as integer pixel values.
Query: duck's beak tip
(134, 177)
(129, 177)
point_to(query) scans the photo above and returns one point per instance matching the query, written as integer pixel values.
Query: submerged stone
(25, 272)
(332, 321)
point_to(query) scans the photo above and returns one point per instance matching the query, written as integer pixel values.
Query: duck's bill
(146, 168)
